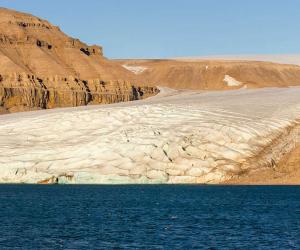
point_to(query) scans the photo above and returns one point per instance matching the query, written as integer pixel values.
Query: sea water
(149, 217)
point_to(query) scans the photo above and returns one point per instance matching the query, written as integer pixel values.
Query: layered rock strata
(24, 92)
(41, 67)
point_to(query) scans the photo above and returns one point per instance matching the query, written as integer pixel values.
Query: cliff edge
(41, 67)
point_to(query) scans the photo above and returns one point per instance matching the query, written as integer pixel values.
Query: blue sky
(175, 28)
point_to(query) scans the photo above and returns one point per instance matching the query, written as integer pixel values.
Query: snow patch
(135, 69)
(231, 82)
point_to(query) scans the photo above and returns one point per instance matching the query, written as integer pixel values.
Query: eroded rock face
(41, 67)
(27, 92)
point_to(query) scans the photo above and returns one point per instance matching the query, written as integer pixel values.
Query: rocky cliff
(41, 67)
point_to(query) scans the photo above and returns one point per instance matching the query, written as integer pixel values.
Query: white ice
(231, 82)
(175, 137)
(135, 69)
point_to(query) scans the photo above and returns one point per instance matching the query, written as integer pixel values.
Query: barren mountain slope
(41, 67)
(214, 74)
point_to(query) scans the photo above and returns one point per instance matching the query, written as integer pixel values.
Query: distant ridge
(215, 73)
(275, 58)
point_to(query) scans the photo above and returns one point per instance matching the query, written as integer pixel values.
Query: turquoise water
(149, 217)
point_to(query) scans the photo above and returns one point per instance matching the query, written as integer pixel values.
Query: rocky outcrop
(28, 92)
(41, 67)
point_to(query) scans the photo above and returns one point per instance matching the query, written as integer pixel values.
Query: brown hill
(41, 67)
(215, 74)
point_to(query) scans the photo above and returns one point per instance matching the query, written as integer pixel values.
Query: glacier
(178, 136)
